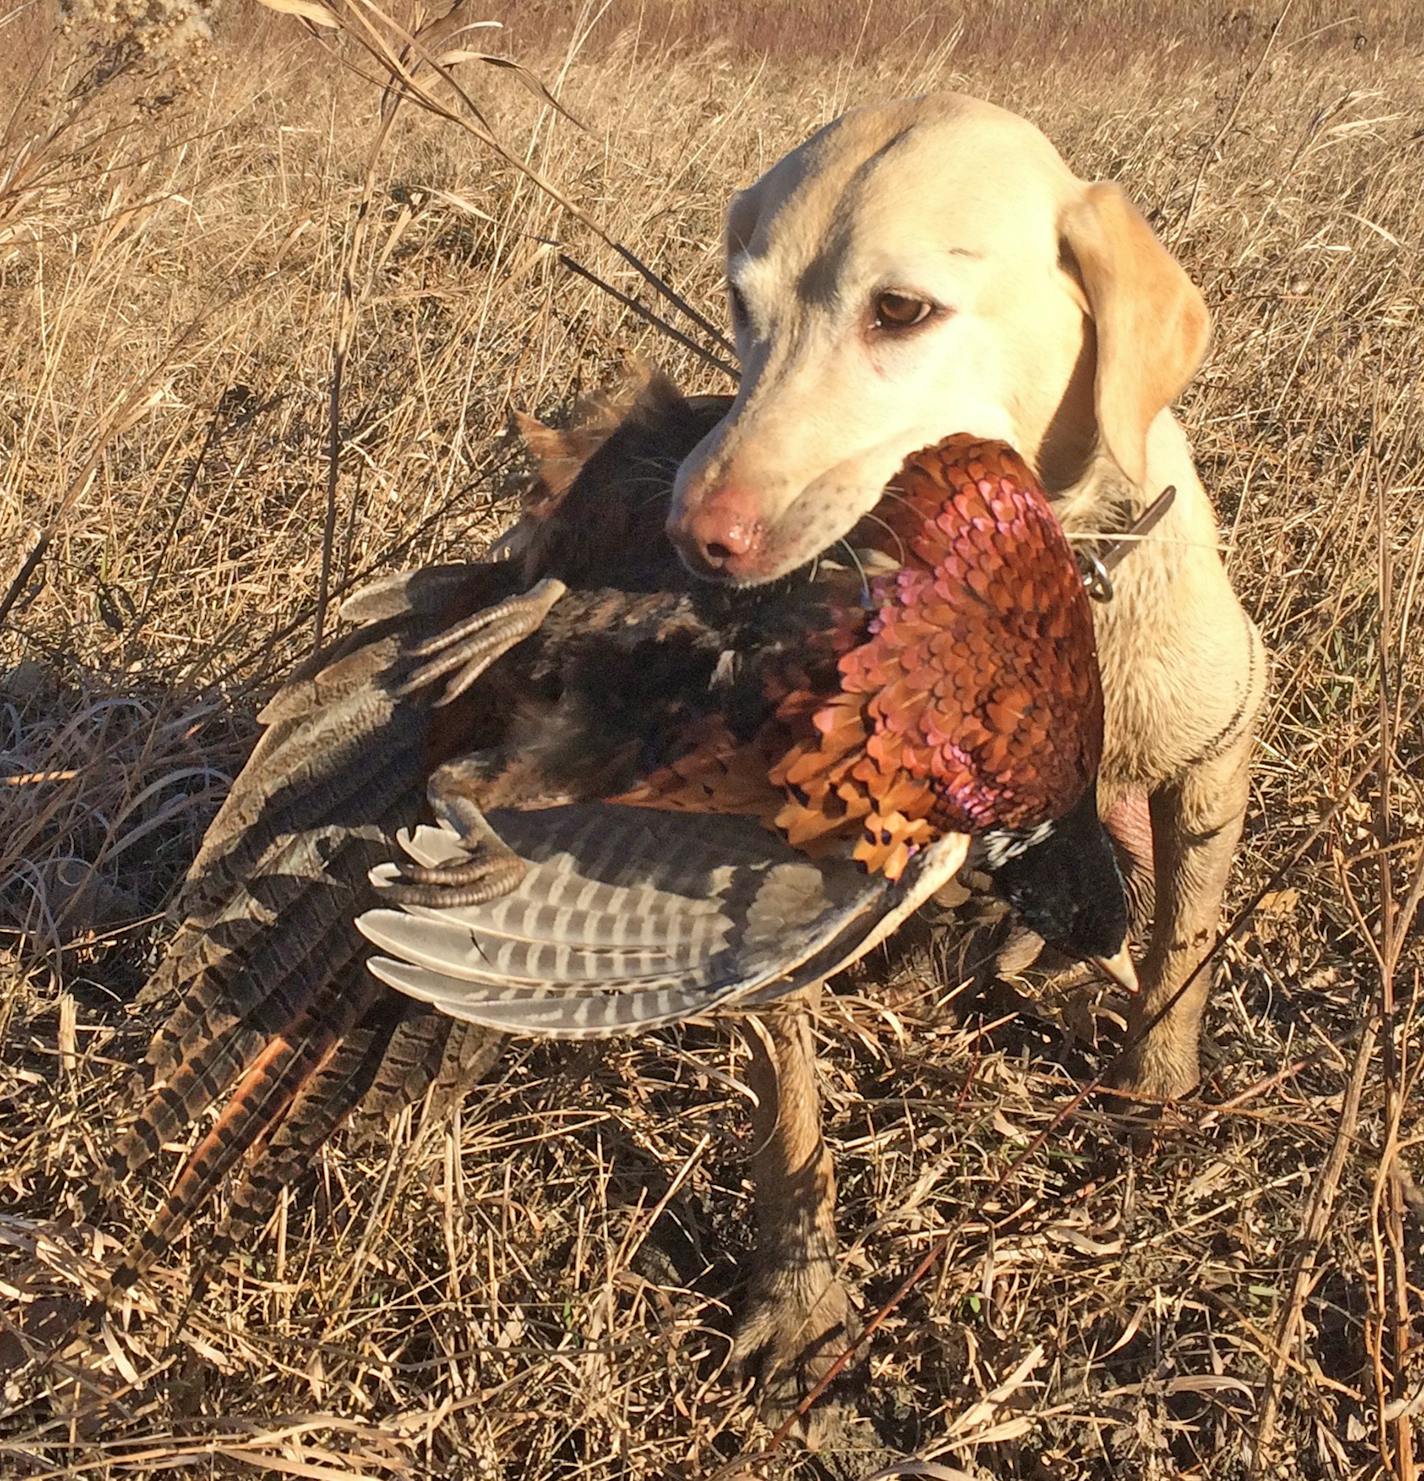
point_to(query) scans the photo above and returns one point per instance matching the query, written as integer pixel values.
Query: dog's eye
(899, 311)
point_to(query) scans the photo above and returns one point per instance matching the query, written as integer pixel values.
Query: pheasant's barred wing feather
(629, 918)
(267, 1005)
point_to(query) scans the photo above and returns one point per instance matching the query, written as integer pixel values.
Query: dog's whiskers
(855, 561)
(890, 492)
(892, 532)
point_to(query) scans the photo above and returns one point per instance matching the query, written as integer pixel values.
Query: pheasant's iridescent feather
(978, 688)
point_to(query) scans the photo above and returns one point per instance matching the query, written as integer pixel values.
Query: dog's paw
(1156, 1071)
(796, 1322)
(1141, 1085)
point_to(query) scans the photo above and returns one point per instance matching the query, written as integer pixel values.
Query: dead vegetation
(540, 1287)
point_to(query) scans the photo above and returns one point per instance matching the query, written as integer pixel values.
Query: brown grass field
(541, 1286)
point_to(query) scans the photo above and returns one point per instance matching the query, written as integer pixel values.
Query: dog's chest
(1155, 686)
(1168, 646)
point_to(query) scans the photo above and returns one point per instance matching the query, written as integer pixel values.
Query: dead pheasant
(959, 697)
(268, 1010)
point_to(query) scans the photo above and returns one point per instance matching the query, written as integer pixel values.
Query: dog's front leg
(798, 1315)
(1196, 824)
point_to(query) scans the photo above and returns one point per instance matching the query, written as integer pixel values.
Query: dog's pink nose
(722, 531)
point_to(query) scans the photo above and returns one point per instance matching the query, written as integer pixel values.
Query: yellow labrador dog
(928, 267)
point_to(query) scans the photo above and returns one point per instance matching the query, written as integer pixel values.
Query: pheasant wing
(629, 918)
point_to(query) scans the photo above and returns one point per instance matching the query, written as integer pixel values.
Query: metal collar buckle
(1097, 567)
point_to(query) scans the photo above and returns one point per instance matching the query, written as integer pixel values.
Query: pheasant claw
(471, 646)
(485, 875)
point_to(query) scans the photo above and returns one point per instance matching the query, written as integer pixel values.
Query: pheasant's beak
(1119, 968)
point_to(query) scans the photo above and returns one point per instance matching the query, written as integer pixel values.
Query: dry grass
(1001, 30)
(540, 1288)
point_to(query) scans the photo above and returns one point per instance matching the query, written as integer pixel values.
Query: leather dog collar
(1098, 565)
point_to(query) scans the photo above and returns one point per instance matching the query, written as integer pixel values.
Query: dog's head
(914, 270)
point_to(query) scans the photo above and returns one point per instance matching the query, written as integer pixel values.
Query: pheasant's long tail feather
(397, 1053)
(334, 1086)
(310, 783)
(252, 999)
(263, 1095)
(265, 993)
(430, 1054)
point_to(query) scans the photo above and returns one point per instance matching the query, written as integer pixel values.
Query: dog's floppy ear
(1151, 323)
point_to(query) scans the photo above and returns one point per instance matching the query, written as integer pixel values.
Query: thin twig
(1209, 154)
(1316, 1222)
(1393, 1282)
(644, 312)
(473, 121)
(180, 507)
(347, 313)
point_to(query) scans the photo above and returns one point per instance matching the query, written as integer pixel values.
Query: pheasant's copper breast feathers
(975, 702)
(966, 698)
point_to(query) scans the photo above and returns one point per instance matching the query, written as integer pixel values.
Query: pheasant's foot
(471, 646)
(483, 875)
(797, 1321)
